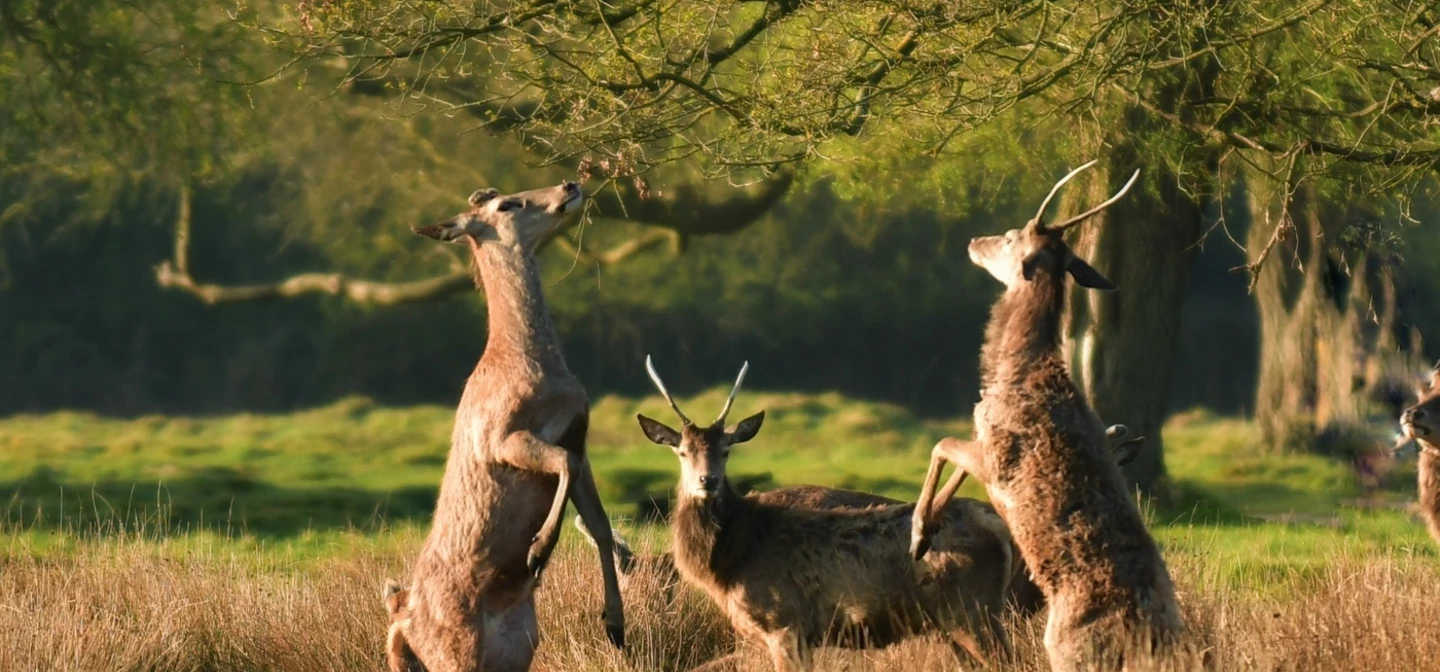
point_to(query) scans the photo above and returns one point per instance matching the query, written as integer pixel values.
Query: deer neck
(709, 535)
(519, 323)
(1024, 325)
(1429, 476)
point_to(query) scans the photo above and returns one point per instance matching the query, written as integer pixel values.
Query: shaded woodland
(207, 209)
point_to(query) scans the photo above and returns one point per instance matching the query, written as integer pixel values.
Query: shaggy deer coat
(1041, 453)
(798, 578)
(1420, 422)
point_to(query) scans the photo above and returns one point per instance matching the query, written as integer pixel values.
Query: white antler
(1082, 216)
(655, 377)
(1055, 189)
(733, 391)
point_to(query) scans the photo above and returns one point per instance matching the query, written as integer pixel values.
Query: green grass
(324, 481)
(261, 541)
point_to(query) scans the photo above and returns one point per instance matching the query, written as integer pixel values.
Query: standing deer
(1040, 452)
(1419, 424)
(658, 569)
(797, 578)
(517, 453)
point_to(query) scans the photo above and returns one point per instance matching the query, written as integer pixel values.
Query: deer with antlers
(517, 454)
(1419, 423)
(1040, 451)
(657, 570)
(797, 578)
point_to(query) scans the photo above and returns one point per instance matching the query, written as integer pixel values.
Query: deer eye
(508, 205)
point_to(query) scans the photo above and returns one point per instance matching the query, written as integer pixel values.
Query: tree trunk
(1327, 339)
(1120, 344)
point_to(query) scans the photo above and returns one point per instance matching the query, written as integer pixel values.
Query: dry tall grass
(121, 604)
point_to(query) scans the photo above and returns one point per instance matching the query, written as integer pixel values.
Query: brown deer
(797, 578)
(658, 569)
(517, 453)
(398, 654)
(1419, 424)
(1040, 452)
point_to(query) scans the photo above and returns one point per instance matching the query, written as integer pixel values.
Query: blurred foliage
(858, 282)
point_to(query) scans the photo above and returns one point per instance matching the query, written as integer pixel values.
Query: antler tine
(1056, 189)
(655, 377)
(1081, 217)
(733, 391)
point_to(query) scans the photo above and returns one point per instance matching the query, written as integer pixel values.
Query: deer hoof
(919, 545)
(538, 558)
(616, 634)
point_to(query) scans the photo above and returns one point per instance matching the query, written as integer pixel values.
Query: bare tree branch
(335, 284)
(680, 214)
(689, 212)
(622, 251)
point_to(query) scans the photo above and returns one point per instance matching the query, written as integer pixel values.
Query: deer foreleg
(543, 543)
(528, 452)
(576, 482)
(966, 457)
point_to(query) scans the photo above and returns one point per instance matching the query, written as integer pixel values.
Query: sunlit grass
(261, 541)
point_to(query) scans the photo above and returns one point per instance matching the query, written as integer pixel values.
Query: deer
(1040, 452)
(658, 569)
(517, 455)
(399, 656)
(796, 578)
(1418, 424)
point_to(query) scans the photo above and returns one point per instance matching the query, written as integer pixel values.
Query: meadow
(261, 542)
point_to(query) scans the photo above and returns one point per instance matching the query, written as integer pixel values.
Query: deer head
(1419, 422)
(519, 220)
(1019, 255)
(703, 451)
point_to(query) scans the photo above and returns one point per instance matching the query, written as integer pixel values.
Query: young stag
(798, 578)
(658, 569)
(517, 452)
(1040, 452)
(1420, 423)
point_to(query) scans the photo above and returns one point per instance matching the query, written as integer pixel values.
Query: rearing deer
(517, 452)
(1040, 452)
(797, 578)
(1420, 423)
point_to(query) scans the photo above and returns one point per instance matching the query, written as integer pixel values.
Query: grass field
(261, 542)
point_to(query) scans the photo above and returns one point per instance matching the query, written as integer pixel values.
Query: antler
(733, 391)
(655, 377)
(1082, 216)
(1055, 189)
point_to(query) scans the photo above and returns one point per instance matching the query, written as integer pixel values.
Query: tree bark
(1120, 344)
(1327, 338)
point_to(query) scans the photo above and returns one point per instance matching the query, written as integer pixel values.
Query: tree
(749, 90)
(1185, 89)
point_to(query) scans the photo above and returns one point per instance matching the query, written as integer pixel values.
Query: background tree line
(789, 182)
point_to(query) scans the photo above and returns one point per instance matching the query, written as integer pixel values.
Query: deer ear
(747, 429)
(658, 432)
(1033, 261)
(1126, 453)
(483, 196)
(1086, 276)
(446, 231)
